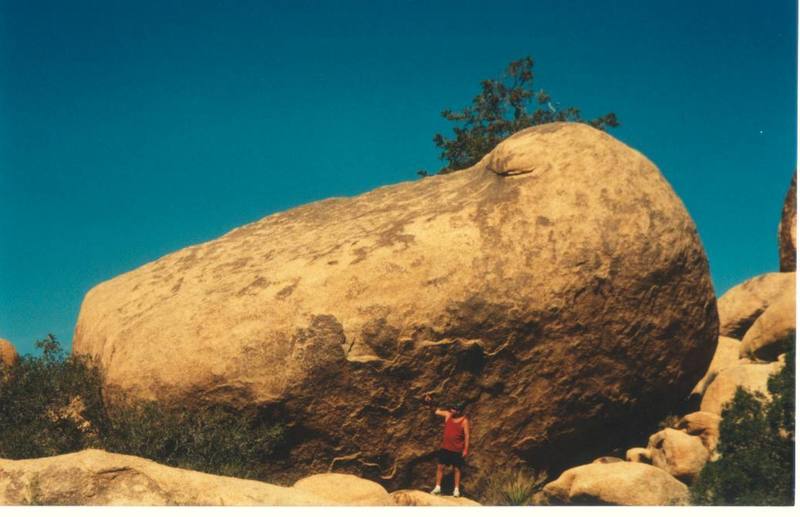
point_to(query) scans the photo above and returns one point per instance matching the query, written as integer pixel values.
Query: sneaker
(456, 493)
(436, 490)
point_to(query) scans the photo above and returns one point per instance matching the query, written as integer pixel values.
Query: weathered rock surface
(725, 356)
(741, 305)
(769, 336)
(420, 498)
(625, 483)
(752, 377)
(8, 354)
(95, 477)
(345, 489)
(639, 455)
(559, 286)
(678, 453)
(787, 229)
(703, 424)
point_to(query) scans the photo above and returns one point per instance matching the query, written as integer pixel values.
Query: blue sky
(132, 129)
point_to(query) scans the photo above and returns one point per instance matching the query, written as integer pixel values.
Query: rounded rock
(558, 286)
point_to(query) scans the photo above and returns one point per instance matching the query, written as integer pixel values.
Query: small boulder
(787, 229)
(741, 305)
(623, 483)
(772, 331)
(678, 453)
(420, 498)
(704, 425)
(725, 356)
(345, 489)
(752, 377)
(8, 354)
(639, 455)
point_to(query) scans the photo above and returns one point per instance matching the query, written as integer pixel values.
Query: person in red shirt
(455, 445)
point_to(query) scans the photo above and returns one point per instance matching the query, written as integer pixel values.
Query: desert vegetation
(52, 403)
(756, 447)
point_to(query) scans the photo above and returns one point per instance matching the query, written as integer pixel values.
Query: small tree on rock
(501, 108)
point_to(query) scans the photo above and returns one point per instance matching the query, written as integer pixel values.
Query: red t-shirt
(453, 435)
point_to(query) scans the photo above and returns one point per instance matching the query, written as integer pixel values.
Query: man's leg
(457, 481)
(439, 471)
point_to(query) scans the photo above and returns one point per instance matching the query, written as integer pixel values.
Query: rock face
(725, 356)
(95, 477)
(772, 331)
(420, 498)
(624, 483)
(787, 229)
(558, 286)
(345, 489)
(678, 453)
(752, 377)
(8, 354)
(741, 305)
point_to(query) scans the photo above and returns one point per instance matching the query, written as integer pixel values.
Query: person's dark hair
(458, 406)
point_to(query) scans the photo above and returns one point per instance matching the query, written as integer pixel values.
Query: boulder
(624, 483)
(345, 489)
(639, 455)
(95, 477)
(8, 354)
(752, 377)
(607, 459)
(420, 498)
(558, 286)
(772, 332)
(787, 229)
(678, 453)
(704, 425)
(741, 305)
(725, 356)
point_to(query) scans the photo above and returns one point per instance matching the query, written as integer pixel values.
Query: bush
(53, 404)
(514, 488)
(39, 400)
(756, 447)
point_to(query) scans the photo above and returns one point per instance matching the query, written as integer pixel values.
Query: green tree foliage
(33, 398)
(756, 447)
(53, 404)
(501, 108)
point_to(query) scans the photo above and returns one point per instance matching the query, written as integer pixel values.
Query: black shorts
(445, 457)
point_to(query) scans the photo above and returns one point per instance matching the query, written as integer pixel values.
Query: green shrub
(37, 402)
(756, 447)
(514, 488)
(217, 440)
(53, 404)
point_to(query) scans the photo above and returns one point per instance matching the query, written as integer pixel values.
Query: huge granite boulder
(96, 477)
(623, 483)
(558, 286)
(787, 229)
(742, 304)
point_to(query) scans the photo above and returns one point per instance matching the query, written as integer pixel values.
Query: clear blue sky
(132, 129)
